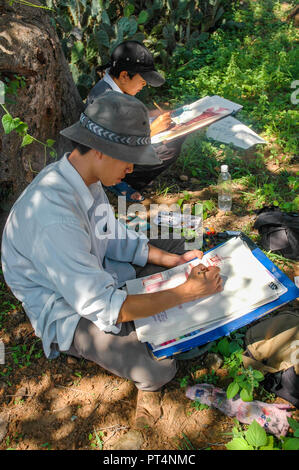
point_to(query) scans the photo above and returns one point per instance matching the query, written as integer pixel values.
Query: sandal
(124, 189)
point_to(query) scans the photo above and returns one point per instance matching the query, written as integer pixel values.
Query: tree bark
(49, 102)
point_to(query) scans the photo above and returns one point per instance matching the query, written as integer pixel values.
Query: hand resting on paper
(203, 281)
(188, 256)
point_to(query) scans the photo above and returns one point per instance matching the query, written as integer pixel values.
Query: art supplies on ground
(177, 220)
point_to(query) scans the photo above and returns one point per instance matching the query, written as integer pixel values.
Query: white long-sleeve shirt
(65, 256)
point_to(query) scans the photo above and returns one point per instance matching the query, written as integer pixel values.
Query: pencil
(157, 106)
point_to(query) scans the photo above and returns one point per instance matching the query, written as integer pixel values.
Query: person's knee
(156, 378)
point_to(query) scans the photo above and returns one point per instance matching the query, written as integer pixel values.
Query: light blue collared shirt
(65, 256)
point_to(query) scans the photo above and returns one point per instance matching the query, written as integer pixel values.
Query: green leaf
(50, 142)
(133, 27)
(232, 390)
(245, 395)
(77, 52)
(143, 17)
(105, 17)
(294, 424)
(270, 444)
(21, 128)
(223, 347)
(95, 7)
(238, 443)
(27, 139)
(129, 10)
(256, 435)
(258, 375)
(233, 346)
(291, 444)
(124, 24)
(102, 38)
(8, 123)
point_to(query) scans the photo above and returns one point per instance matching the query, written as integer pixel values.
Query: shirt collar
(108, 79)
(75, 180)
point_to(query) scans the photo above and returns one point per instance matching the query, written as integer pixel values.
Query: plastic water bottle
(224, 189)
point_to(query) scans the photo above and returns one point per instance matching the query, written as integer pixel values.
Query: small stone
(213, 361)
(132, 440)
(194, 181)
(73, 418)
(71, 360)
(183, 177)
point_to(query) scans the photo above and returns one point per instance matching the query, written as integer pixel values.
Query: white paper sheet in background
(230, 130)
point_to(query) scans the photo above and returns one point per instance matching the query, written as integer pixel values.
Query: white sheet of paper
(248, 285)
(230, 130)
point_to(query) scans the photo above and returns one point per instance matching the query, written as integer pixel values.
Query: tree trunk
(29, 47)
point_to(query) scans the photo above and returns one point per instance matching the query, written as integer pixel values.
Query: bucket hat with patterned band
(117, 125)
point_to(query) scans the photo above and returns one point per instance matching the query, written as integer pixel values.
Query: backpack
(272, 346)
(279, 231)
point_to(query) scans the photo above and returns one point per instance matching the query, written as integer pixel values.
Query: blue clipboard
(224, 330)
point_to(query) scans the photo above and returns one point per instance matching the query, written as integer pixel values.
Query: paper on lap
(248, 284)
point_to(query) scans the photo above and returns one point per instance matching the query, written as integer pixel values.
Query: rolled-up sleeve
(128, 245)
(63, 254)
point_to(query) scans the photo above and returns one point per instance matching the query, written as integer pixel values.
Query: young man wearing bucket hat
(66, 257)
(131, 68)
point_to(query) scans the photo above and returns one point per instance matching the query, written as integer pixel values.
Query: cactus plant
(91, 29)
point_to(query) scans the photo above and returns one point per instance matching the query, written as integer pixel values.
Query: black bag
(279, 231)
(284, 384)
(272, 346)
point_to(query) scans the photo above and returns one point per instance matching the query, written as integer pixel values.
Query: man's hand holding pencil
(162, 122)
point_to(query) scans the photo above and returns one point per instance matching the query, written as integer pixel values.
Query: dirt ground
(66, 403)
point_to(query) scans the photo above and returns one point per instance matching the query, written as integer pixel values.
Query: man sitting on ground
(130, 69)
(66, 257)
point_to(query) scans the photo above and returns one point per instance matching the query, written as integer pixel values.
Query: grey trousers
(122, 353)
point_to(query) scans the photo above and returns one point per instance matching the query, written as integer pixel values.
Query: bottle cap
(224, 168)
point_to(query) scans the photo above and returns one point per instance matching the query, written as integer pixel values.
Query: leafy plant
(291, 443)
(254, 438)
(96, 440)
(10, 124)
(90, 29)
(245, 381)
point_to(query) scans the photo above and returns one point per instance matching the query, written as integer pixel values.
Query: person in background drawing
(131, 68)
(66, 257)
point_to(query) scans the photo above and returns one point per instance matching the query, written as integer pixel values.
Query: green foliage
(96, 440)
(253, 65)
(91, 29)
(256, 438)
(10, 124)
(245, 381)
(276, 192)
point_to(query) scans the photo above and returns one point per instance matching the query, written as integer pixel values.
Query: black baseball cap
(135, 57)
